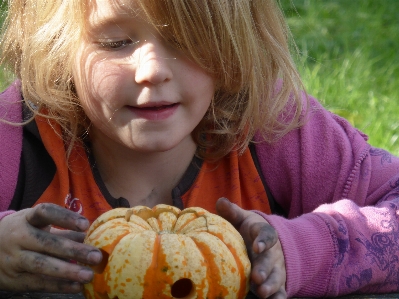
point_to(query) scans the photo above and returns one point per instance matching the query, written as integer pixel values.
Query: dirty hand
(34, 256)
(268, 273)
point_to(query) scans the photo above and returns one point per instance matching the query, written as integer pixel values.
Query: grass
(348, 60)
(6, 78)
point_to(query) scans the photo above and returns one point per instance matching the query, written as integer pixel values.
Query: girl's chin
(150, 147)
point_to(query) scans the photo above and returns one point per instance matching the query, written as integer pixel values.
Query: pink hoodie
(10, 144)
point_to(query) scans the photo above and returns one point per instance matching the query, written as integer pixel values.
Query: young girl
(187, 103)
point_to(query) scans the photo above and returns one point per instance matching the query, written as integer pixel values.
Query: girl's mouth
(155, 112)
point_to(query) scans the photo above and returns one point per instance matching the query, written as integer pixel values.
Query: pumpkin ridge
(112, 214)
(154, 223)
(236, 255)
(194, 225)
(216, 289)
(195, 211)
(137, 220)
(202, 287)
(187, 222)
(155, 270)
(167, 221)
(243, 284)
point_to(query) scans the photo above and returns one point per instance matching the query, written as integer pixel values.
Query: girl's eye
(115, 45)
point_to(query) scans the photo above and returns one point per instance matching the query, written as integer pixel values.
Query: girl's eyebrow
(110, 20)
(100, 24)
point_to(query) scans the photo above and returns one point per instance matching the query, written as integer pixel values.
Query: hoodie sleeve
(11, 142)
(342, 200)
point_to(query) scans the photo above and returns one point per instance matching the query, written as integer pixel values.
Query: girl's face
(137, 90)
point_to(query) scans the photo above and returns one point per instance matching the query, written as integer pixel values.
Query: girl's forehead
(99, 11)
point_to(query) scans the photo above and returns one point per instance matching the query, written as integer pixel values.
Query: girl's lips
(157, 112)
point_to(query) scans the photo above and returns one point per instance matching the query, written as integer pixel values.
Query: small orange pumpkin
(167, 253)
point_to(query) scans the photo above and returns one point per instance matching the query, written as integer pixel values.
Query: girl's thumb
(230, 211)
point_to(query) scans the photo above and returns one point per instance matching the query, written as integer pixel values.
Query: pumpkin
(165, 252)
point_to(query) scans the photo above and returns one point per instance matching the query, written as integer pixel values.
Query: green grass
(349, 61)
(6, 78)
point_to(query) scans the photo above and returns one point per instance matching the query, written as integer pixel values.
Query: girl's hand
(36, 257)
(268, 274)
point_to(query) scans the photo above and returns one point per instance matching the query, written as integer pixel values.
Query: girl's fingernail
(82, 224)
(261, 246)
(94, 257)
(85, 275)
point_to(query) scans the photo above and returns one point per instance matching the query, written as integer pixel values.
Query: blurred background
(348, 58)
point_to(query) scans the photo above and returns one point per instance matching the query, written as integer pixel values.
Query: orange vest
(234, 177)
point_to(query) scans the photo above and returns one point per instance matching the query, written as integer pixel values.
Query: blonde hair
(243, 44)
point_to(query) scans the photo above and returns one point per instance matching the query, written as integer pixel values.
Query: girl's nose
(153, 64)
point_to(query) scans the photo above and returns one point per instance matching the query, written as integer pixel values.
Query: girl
(139, 102)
